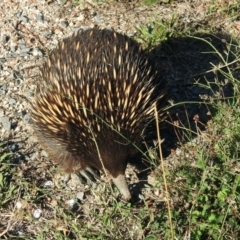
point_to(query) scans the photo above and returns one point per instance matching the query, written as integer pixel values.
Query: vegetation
(195, 197)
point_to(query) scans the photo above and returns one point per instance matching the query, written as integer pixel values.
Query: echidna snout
(121, 184)
(95, 100)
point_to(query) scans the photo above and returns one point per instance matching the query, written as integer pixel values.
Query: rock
(24, 19)
(26, 118)
(37, 52)
(37, 213)
(12, 101)
(5, 39)
(5, 120)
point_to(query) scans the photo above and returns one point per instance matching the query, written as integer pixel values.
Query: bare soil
(30, 28)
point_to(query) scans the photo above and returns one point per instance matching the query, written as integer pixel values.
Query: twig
(164, 177)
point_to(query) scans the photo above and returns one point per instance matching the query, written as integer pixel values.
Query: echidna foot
(88, 173)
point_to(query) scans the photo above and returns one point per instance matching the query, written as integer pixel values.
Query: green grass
(224, 8)
(159, 31)
(208, 192)
(203, 184)
(210, 181)
(7, 190)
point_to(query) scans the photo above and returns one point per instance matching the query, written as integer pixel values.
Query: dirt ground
(30, 28)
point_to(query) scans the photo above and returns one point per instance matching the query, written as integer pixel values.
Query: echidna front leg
(59, 154)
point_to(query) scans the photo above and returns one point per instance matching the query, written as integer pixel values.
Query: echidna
(95, 97)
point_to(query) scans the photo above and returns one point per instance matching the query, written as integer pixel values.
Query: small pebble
(3, 89)
(22, 45)
(48, 184)
(12, 101)
(13, 48)
(19, 14)
(2, 92)
(37, 213)
(157, 192)
(18, 205)
(28, 94)
(44, 153)
(72, 203)
(17, 113)
(21, 144)
(37, 52)
(81, 18)
(80, 195)
(64, 23)
(58, 31)
(47, 34)
(5, 39)
(97, 17)
(141, 197)
(40, 17)
(24, 19)
(178, 152)
(12, 76)
(13, 147)
(24, 55)
(25, 49)
(131, 34)
(5, 120)
(26, 118)
(94, 185)
(34, 156)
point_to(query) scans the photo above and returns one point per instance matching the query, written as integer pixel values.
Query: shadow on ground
(186, 63)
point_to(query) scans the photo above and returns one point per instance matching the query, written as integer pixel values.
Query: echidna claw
(67, 177)
(86, 175)
(93, 172)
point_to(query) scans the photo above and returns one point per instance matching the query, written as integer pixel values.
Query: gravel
(30, 28)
